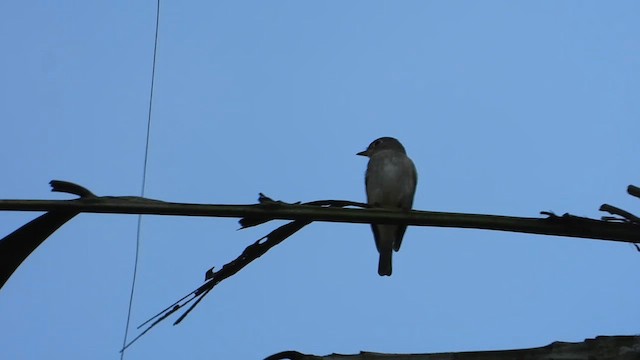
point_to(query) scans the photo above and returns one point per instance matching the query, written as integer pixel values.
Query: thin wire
(144, 180)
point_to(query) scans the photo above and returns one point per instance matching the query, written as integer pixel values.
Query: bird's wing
(406, 203)
(376, 235)
(399, 235)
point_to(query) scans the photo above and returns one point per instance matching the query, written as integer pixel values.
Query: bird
(390, 182)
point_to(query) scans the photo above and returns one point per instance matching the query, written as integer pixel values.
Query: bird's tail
(384, 265)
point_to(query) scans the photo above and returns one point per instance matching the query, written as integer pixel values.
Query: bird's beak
(363, 153)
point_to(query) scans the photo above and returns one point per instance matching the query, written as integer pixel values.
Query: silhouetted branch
(566, 225)
(17, 246)
(70, 188)
(600, 348)
(251, 253)
(625, 216)
(213, 278)
(21, 243)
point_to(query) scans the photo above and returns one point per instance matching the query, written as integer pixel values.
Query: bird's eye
(377, 142)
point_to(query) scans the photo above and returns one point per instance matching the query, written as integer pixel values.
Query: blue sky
(506, 108)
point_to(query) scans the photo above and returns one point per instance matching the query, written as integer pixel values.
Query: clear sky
(506, 108)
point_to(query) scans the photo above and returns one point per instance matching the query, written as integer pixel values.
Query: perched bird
(390, 181)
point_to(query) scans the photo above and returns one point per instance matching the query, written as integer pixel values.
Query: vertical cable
(144, 180)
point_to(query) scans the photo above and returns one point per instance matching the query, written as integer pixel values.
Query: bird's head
(383, 143)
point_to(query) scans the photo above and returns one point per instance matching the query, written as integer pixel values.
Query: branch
(251, 253)
(633, 191)
(601, 348)
(624, 216)
(566, 225)
(17, 246)
(625, 229)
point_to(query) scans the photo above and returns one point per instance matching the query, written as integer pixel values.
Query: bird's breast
(390, 180)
